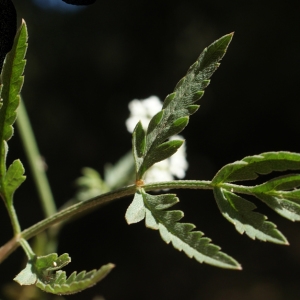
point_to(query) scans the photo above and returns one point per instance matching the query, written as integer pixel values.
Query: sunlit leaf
(12, 81)
(251, 166)
(45, 273)
(181, 235)
(12, 180)
(240, 212)
(136, 210)
(282, 194)
(177, 108)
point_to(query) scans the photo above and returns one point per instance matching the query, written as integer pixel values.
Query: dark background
(83, 68)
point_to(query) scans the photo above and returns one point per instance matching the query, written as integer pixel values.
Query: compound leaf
(45, 273)
(41, 266)
(12, 81)
(11, 84)
(282, 194)
(249, 167)
(177, 108)
(59, 284)
(240, 212)
(180, 234)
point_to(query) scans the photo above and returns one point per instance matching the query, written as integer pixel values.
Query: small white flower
(178, 162)
(142, 110)
(176, 165)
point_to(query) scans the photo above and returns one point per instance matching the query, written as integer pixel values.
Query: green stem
(35, 161)
(198, 185)
(84, 206)
(14, 220)
(27, 249)
(234, 188)
(8, 201)
(179, 184)
(76, 210)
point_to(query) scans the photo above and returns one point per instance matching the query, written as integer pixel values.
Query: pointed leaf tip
(251, 167)
(178, 106)
(181, 235)
(282, 194)
(45, 273)
(240, 212)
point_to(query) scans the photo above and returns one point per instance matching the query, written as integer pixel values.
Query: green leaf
(51, 262)
(27, 276)
(41, 266)
(193, 108)
(90, 185)
(249, 167)
(11, 84)
(12, 180)
(164, 151)
(156, 119)
(178, 125)
(136, 210)
(178, 106)
(138, 144)
(121, 173)
(240, 212)
(12, 81)
(180, 234)
(282, 183)
(45, 273)
(285, 204)
(281, 194)
(59, 284)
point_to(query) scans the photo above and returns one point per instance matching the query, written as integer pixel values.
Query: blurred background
(83, 67)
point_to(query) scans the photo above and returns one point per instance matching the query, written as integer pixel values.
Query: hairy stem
(84, 206)
(197, 185)
(74, 210)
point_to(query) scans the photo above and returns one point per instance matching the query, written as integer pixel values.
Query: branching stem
(84, 206)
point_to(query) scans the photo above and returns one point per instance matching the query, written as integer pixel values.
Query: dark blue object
(64, 5)
(80, 2)
(8, 28)
(58, 6)
(8, 24)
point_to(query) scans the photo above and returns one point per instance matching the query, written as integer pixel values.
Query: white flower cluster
(176, 165)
